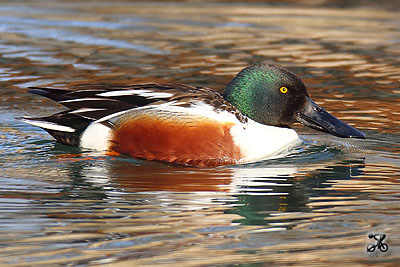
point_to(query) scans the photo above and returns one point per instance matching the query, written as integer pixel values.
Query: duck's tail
(64, 127)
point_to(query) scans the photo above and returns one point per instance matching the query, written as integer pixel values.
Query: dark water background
(62, 206)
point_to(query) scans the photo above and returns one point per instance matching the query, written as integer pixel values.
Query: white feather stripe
(82, 110)
(113, 115)
(86, 99)
(144, 93)
(49, 125)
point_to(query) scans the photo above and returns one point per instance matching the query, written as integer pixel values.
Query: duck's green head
(275, 96)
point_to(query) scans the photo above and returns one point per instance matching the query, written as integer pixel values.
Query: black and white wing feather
(90, 103)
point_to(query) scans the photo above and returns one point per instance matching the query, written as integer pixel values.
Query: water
(62, 206)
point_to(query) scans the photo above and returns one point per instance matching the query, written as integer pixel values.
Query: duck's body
(184, 124)
(165, 122)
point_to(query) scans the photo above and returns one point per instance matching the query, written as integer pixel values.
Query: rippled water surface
(62, 206)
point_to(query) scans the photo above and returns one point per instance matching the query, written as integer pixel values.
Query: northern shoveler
(191, 125)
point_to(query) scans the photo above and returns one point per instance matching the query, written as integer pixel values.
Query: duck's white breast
(258, 141)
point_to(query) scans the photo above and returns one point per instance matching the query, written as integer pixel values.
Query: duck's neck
(244, 91)
(239, 92)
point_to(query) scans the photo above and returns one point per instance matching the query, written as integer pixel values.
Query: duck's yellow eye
(283, 90)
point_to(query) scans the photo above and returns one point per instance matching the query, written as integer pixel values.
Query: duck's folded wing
(90, 103)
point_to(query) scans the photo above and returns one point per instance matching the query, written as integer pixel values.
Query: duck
(188, 125)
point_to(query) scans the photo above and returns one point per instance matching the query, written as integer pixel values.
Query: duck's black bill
(315, 117)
